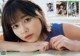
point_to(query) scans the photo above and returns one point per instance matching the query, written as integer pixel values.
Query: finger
(62, 45)
(48, 46)
(56, 43)
(42, 49)
(44, 46)
(53, 40)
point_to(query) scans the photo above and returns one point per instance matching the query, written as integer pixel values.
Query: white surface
(45, 54)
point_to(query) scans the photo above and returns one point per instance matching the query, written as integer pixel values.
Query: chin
(32, 41)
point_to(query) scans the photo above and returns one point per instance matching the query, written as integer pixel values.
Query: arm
(71, 31)
(61, 42)
(23, 46)
(71, 40)
(9, 46)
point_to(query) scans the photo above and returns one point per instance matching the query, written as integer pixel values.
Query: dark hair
(9, 16)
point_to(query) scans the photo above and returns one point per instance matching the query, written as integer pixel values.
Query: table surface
(52, 52)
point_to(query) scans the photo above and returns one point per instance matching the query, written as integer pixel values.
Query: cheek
(37, 29)
(36, 26)
(17, 32)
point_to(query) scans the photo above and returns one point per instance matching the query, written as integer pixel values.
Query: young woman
(60, 10)
(25, 29)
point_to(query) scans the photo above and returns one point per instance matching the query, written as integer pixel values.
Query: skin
(23, 27)
(59, 42)
(24, 46)
(28, 25)
(27, 28)
(68, 41)
(61, 9)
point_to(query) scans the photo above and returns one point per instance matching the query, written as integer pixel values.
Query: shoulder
(71, 30)
(67, 26)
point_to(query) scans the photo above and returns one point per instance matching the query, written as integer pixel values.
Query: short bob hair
(9, 17)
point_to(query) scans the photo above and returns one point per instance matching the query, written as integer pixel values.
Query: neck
(43, 37)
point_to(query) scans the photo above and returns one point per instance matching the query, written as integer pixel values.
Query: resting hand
(60, 42)
(29, 47)
(42, 46)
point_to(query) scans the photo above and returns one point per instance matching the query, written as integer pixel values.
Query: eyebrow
(23, 16)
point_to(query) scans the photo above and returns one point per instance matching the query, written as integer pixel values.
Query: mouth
(29, 36)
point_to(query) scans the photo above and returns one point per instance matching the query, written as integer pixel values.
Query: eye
(27, 20)
(14, 26)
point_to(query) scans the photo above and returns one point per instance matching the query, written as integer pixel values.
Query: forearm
(9, 46)
(22, 46)
(77, 45)
(18, 46)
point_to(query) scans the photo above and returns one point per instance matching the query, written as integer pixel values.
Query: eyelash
(27, 20)
(14, 26)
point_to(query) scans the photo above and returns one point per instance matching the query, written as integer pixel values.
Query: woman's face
(27, 28)
(61, 7)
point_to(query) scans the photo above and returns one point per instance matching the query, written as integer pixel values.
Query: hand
(60, 42)
(42, 46)
(29, 47)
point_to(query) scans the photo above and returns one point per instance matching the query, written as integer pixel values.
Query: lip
(29, 36)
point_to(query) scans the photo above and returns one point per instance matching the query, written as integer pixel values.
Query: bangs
(27, 8)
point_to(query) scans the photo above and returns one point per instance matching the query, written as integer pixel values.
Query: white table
(52, 52)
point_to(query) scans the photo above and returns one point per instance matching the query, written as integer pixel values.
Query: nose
(24, 29)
